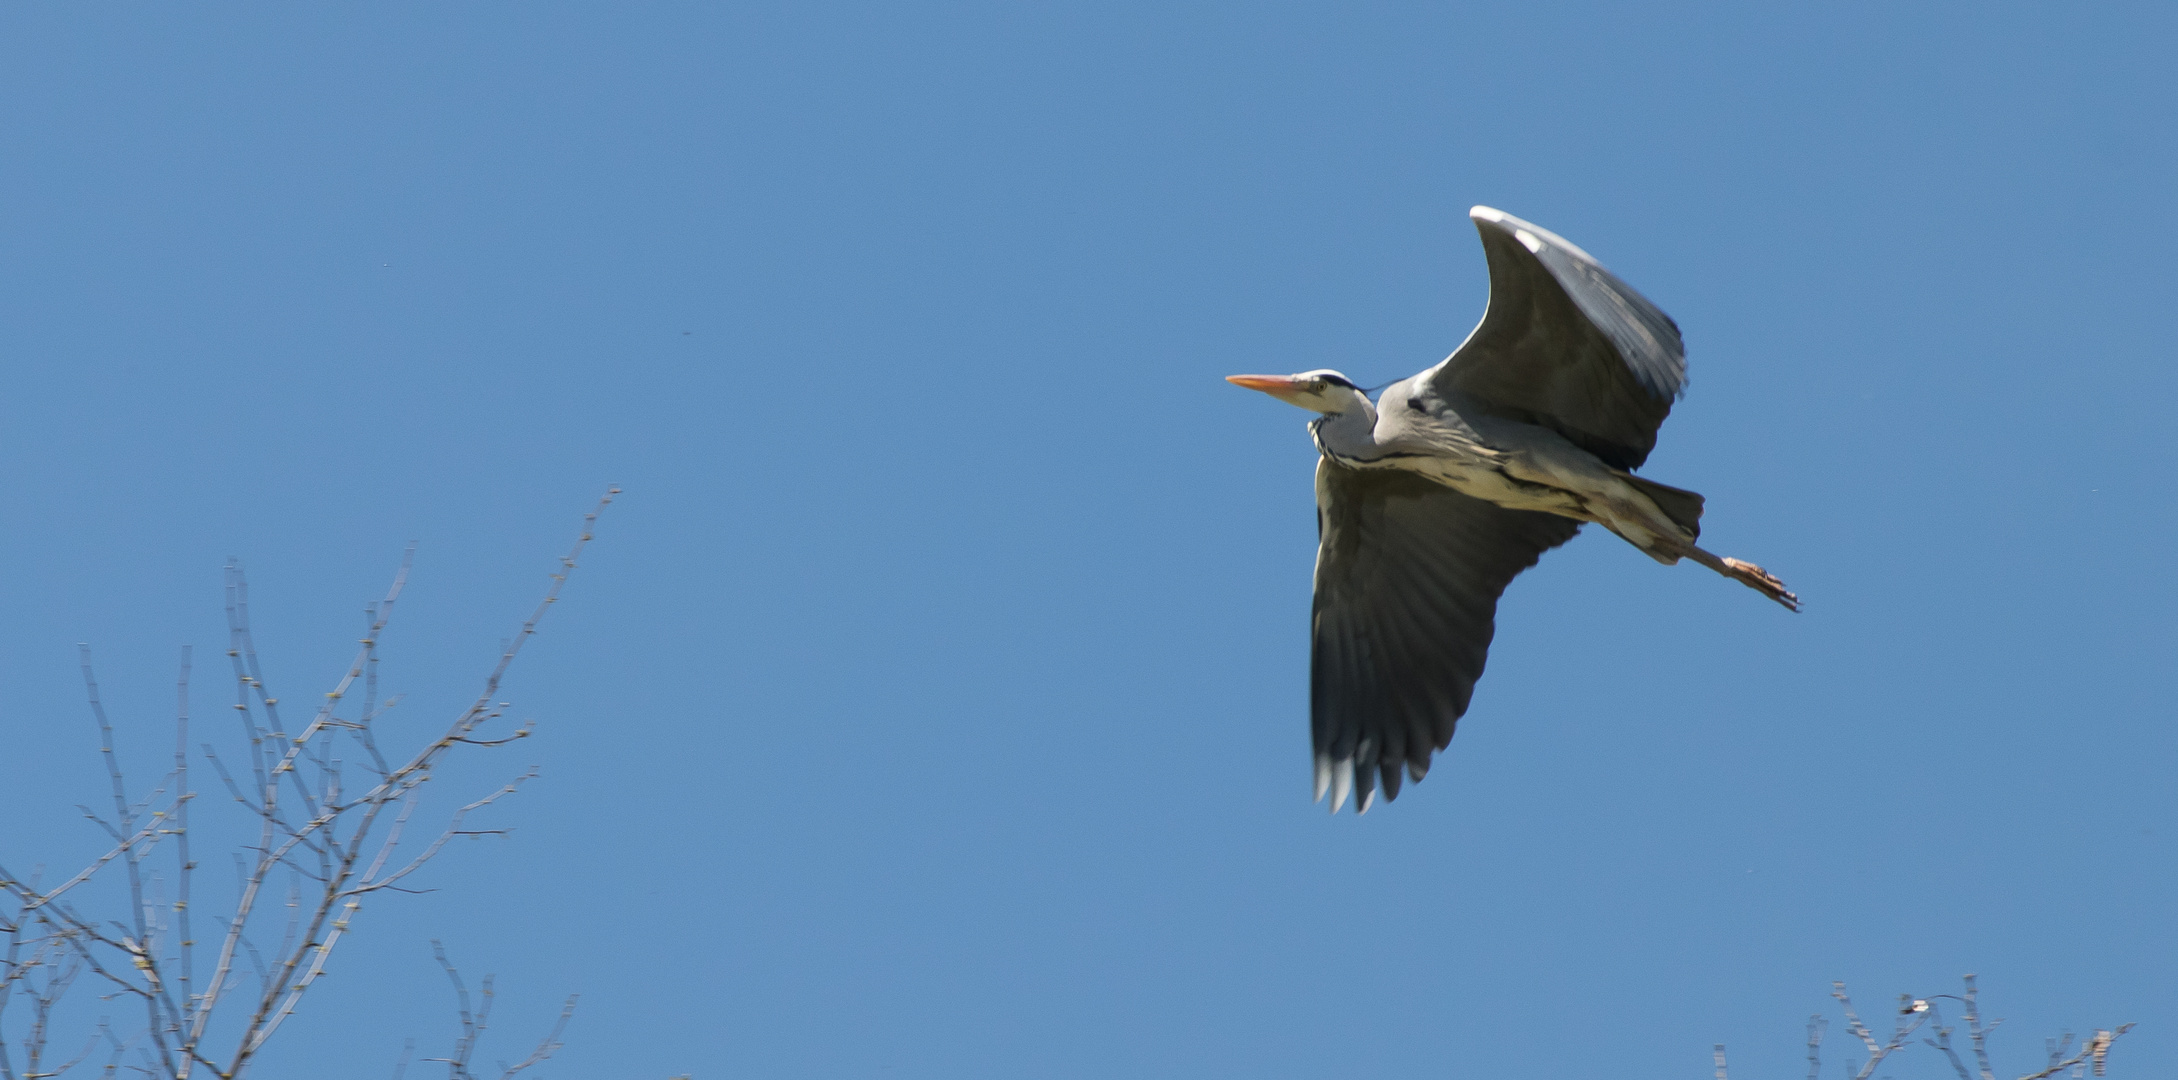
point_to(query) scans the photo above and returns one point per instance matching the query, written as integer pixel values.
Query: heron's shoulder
(1415, 418)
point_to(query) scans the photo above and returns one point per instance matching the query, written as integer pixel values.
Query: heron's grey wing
(1408, 573)
(1565, 344)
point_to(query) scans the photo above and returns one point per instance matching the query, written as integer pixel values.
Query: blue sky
(933, 702)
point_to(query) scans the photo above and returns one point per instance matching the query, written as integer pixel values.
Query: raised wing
(1408, 573)
(1566, 345)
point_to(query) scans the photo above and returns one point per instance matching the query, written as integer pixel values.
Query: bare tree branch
(1914, 1013)
(336, 845)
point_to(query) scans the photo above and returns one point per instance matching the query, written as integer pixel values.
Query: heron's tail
(1683, 507)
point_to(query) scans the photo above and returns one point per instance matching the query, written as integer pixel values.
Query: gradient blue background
(933, 702)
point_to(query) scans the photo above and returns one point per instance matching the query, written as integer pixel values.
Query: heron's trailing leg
(1748, 574)
(1636, 517)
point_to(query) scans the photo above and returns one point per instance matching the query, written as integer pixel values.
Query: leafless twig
(474, 1022)
(2092, 1054)
(1816, 1025)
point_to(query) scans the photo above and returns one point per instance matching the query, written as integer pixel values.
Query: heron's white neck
(1350, 433)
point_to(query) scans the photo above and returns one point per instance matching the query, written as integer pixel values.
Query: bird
(1433, 497)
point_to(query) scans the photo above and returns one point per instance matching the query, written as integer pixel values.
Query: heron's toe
(1762, 581)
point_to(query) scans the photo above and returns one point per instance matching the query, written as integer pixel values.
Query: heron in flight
(1430, 500)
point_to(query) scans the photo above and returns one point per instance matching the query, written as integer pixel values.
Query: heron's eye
(1415, 403)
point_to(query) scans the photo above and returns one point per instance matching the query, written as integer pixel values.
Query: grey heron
(1431, 499)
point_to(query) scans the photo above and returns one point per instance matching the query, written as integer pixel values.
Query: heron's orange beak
(1278, 385)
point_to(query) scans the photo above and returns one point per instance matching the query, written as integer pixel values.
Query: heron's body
(1433, 497)
(1504, 462)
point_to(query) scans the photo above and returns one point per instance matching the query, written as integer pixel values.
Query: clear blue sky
(933, 703)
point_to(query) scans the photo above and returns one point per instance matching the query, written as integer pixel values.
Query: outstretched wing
(1408, 573)
(1566, 345)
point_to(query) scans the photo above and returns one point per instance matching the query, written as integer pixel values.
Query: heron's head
(1323, 390)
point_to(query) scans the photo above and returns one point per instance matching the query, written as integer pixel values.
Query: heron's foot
(1761, 581)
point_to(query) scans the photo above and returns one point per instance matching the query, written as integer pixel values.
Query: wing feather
(1408, 573)
(1566, 345)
